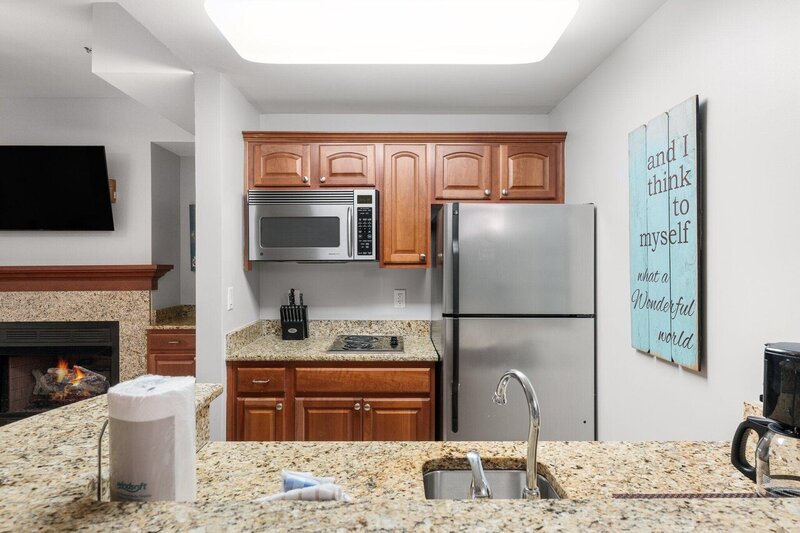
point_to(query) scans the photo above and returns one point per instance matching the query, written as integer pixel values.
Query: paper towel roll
(152, 439)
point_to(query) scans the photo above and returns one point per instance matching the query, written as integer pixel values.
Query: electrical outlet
(230, 299)
(400, 298)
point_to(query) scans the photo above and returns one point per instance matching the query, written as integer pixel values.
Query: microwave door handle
(349, 232)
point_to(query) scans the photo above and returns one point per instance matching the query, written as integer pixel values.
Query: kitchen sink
(505, 485)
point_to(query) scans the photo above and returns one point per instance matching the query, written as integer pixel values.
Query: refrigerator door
(518, 259)
(557, 354)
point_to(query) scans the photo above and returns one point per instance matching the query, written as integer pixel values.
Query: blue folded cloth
(300, 480)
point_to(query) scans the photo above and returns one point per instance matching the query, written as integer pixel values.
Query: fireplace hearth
(44, 365)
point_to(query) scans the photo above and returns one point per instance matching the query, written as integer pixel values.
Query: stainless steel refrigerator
(513, 287)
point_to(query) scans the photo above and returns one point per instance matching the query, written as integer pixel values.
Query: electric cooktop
(367, 343)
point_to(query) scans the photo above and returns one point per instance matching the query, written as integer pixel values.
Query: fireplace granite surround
(130, 308)
(116, 293)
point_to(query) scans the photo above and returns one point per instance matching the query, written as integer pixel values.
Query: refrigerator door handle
(455, 382)
(456, 252)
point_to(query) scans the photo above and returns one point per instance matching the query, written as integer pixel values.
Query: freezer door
(521, 259)
(557, 354)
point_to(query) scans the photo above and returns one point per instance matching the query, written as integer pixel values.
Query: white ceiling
(41, 50)
(41, 54)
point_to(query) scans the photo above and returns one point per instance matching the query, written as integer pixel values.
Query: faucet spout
(479, 488)
(531, 490)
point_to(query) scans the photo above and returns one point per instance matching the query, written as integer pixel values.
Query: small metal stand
(100, 461)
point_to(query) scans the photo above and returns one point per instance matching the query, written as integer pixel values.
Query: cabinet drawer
(171, 342)
(363, 380)
(260, 379)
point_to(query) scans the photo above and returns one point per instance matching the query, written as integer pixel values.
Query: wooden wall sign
(665, 222)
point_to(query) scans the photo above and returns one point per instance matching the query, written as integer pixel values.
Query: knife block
(294, 322)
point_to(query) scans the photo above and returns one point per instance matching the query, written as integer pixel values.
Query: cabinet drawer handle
(260, 381)
(357, 407)
(279, 406)
(505, 192)
(323, 179)
(173, 342)
(305, 179)
(367, 407)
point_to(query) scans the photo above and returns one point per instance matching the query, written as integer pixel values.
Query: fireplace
(44, 365)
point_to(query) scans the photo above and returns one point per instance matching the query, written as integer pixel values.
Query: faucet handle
(479, 487)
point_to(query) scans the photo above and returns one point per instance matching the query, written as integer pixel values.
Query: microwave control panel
(365, 231)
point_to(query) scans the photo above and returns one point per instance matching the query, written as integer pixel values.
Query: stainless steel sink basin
(505, 484)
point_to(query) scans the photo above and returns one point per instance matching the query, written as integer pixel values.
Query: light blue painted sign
(665, 219)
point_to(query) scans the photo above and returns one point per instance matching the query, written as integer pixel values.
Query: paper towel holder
(100, 461)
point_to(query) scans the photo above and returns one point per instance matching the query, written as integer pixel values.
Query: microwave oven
(313, 225)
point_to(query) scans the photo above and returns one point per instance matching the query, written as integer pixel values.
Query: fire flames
(66, 376)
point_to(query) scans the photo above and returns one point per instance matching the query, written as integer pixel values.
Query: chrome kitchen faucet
(531, 490)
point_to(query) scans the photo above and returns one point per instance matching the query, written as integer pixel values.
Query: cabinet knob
(505, 192)
(423, 257)
(305, 179)
(279, 406)
(487, 192)
(323, 179)
(357, 407)
(260, 381)
(367, 407)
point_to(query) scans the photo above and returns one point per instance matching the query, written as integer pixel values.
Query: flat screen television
(57, 188)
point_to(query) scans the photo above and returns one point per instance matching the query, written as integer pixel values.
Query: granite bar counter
(44, 484)
(52, 457)
(261, 341)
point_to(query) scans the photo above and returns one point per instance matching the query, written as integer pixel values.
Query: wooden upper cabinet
(347, 165)
(328, 419)
(397, 419)
(405, 205)
(280, 165)
(531, 171)
(260, 419)
(463, 172)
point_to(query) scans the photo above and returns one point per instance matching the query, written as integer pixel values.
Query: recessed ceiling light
(392, 31)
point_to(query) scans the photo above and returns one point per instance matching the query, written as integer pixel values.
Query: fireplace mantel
(81, 277)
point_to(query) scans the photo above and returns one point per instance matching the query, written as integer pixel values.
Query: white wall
(741, 57)
(187, 194)
(353, 291)
(221, 114)
(166, 239)
(349, 122)
(126, 129)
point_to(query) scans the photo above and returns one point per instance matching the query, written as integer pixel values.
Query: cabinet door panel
(281, 165)
(397, 419)
(260, 419)
(530, 171)
(347, 165)
(463, 172)
(171, 364)
(328, 419)
(405, 207)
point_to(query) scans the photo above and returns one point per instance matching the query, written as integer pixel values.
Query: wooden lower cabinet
(260, 418)
(171, 352)
(396, 419)
(327, 419)
(331, 402)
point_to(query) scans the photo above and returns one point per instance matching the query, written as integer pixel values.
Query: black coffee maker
(777, 469)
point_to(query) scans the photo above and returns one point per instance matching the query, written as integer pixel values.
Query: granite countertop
(176, 317)
(385, 481)
(51, 458)
(262, 342)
